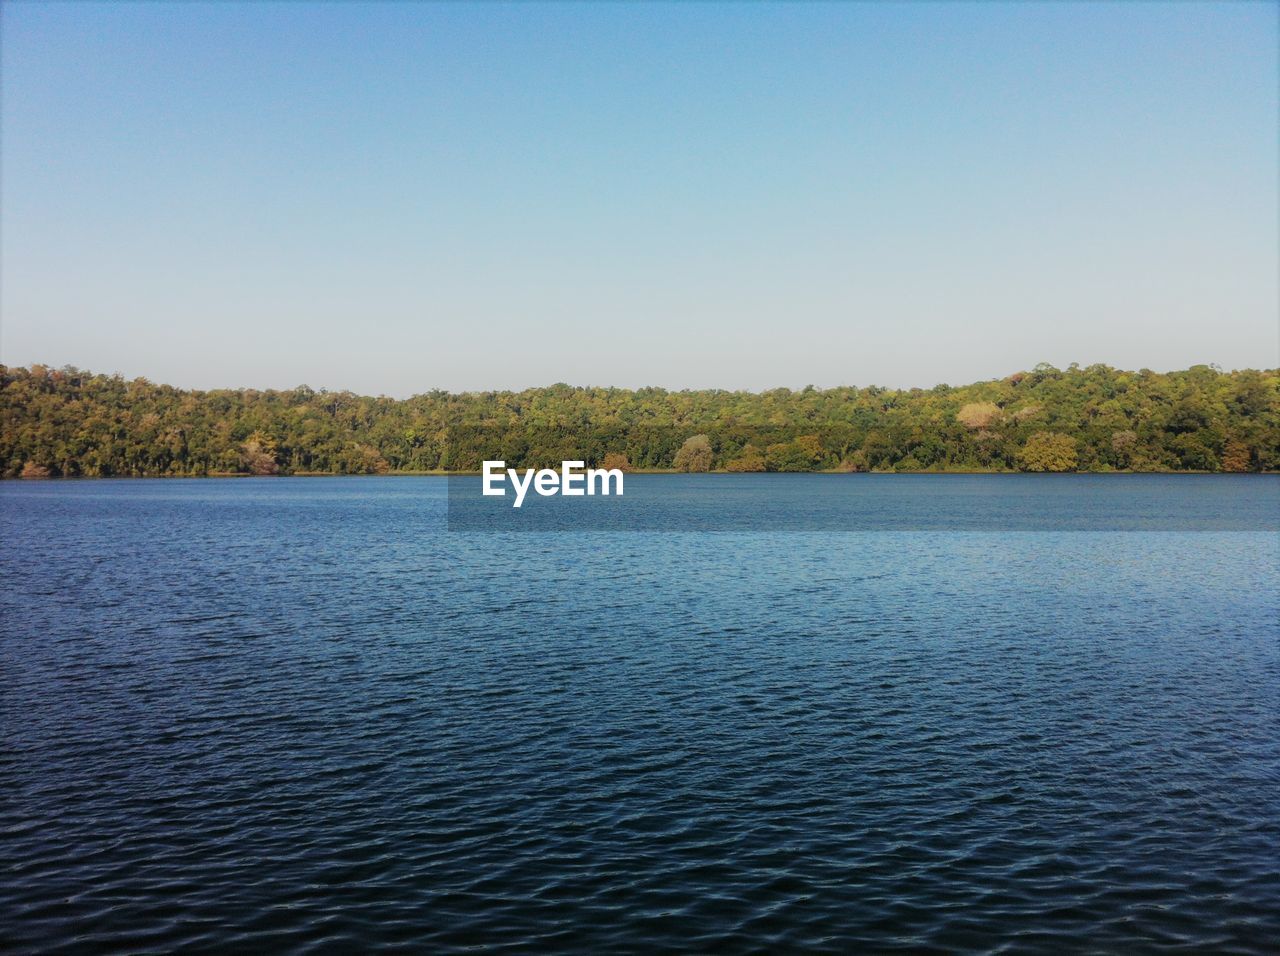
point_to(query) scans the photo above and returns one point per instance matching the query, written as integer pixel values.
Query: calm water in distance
(299, 715)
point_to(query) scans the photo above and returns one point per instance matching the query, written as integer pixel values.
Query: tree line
(71, 423)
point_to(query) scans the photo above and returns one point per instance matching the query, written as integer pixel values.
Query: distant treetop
(72, 423)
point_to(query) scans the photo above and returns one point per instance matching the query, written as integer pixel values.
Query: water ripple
(324, 725)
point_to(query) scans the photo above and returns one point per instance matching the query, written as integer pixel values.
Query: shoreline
(636, 471)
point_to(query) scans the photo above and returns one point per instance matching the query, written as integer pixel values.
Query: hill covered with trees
(68, 422)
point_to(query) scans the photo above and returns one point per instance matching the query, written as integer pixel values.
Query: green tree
(800, 454)
(76, 423)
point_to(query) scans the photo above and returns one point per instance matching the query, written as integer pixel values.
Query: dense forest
(71, 423)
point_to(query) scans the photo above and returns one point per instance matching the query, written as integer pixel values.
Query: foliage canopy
(68, 422)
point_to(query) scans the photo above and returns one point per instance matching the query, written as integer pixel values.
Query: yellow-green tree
(749, 459)
(258, 455)
(1236, 457)
(694, 455)
(978, 414)
(1047, 451)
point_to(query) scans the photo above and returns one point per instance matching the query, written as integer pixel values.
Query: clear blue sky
(391, 198)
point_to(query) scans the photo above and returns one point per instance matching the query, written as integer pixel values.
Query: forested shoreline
(72, 423)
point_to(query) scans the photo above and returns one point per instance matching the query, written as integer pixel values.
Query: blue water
(882, 502)
(298, 714)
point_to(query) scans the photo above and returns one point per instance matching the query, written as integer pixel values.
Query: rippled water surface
(300, 715)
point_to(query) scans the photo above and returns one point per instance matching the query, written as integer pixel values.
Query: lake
(301, 714)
